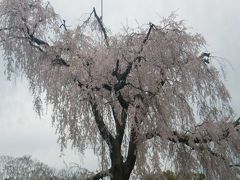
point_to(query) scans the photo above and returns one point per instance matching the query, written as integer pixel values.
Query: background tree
(26, 168)
(149, 94)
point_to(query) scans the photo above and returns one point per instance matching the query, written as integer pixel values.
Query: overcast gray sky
(22, 132)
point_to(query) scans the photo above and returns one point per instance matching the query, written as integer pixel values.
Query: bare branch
(148, 33)
(102, 27)
(63, 25)
(37, 41)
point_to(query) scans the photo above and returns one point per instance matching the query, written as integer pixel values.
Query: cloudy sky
(22, 132)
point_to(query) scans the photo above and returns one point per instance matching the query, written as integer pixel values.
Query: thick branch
(185, 138)
(122, 77)
(132, 152)
(181, 138)
(122, 101)
(107, 87)
(106, 135)
(31, 36)
(178, 137)
(120, 124)
(37, 41)
(120, 98)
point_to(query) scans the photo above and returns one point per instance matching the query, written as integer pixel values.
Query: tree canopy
(147, 99)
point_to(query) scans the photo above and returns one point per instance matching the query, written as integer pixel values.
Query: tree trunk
(120, 173)
(122, 170)
(117, 162)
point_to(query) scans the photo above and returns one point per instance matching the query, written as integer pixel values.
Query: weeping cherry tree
(145, 100)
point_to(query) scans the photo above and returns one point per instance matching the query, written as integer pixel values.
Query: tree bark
(122, 170)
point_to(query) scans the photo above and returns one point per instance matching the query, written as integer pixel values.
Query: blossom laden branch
(184, 138)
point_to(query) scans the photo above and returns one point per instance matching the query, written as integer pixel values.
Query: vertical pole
(102, 10)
